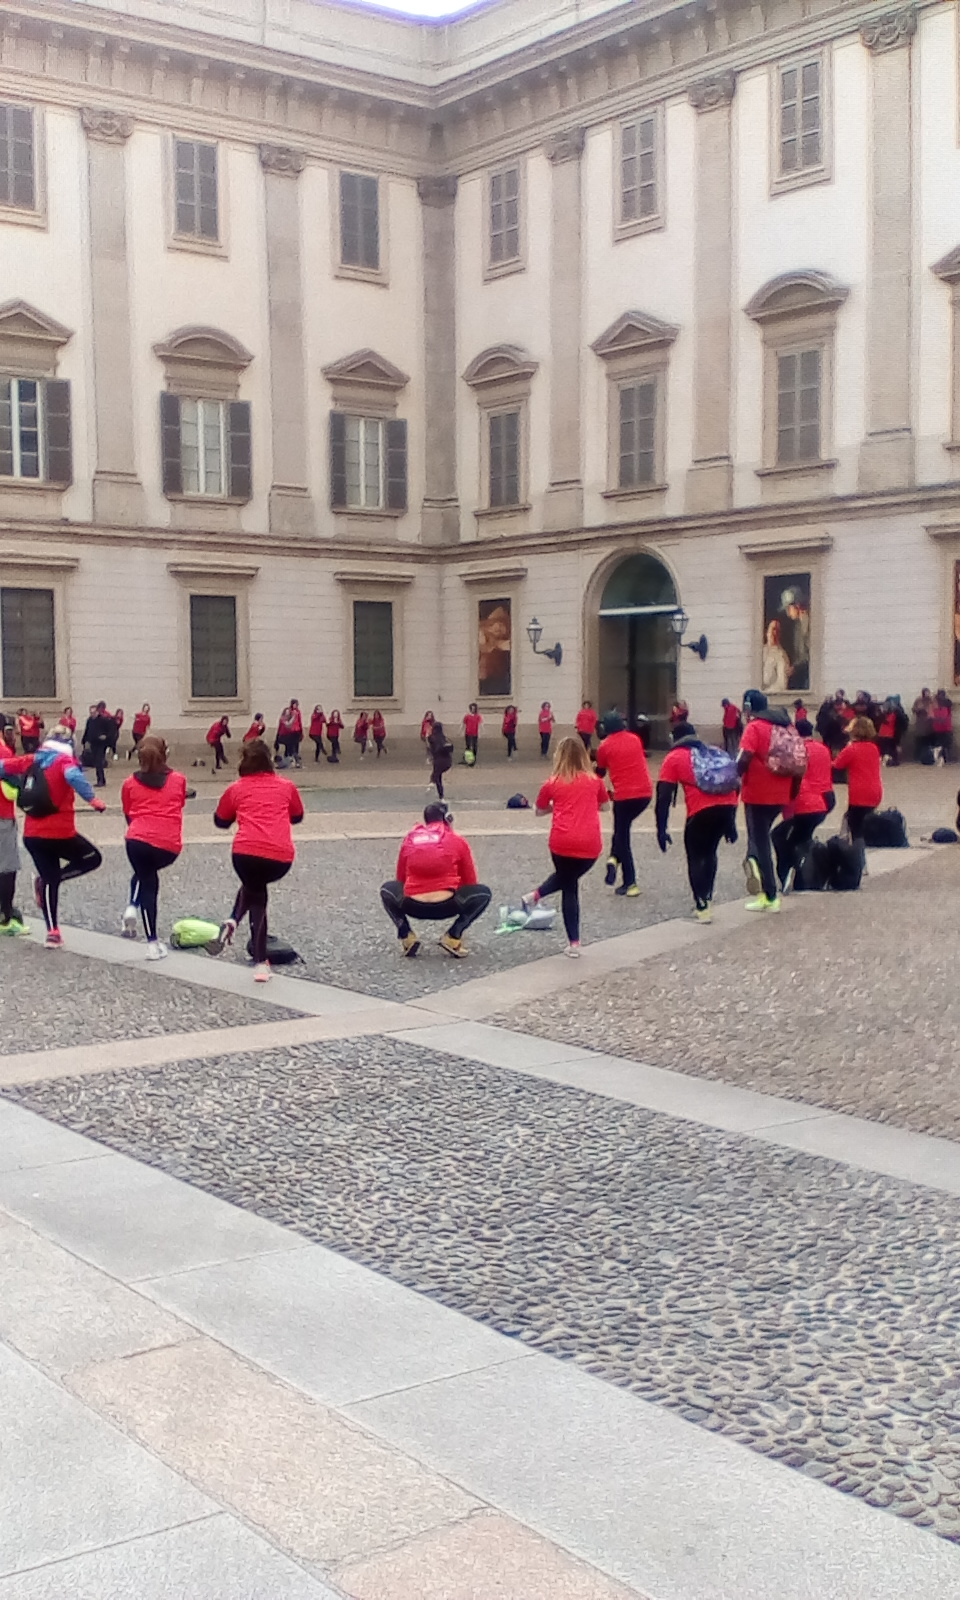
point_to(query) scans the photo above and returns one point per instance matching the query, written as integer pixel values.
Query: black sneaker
(610, 876)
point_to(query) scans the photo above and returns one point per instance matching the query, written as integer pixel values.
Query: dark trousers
(8, 884)
(334, 747)
(218, 750)
(889, 747)
(255, 873)
(291, 746)
(318, 749)
(760, 820)
(30, 746)
(791, 841)
(467, 903)
(701, 841)
(48, 856)
(136, 737)
(855, 818)
(441, 764)
(471, 741)
(380, 741)
(586, 741)
(99, 753)
(625, 814)
(511, 739)
(545, 744)
(147, 861)
(731, 741)
(565, 880)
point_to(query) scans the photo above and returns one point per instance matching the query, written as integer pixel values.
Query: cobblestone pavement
(52, 998)
(851, 1004)
(805, 1309)
(329, 907)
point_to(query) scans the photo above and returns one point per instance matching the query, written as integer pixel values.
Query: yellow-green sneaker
(703, 914)
(761, 903)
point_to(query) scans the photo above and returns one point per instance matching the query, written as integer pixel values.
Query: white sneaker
(128, 923)
(261, 972)
(156, 950)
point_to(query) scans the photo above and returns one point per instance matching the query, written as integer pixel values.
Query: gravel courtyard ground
(803, 1308)
(851, 1004)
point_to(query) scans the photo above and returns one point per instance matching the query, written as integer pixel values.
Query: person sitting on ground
(765, 793)
(436, 877)
(621, 756)
(861, 761)
(710, 817)
(792, 836)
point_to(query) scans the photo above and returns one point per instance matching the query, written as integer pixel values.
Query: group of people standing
(370, 731)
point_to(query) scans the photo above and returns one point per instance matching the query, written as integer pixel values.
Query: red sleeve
(295, 802)
(669, 772)
(125, 795)
(843, 757)
(227, 809)
(466, 863)
(15, 765)
(545, 796)
(751, 739)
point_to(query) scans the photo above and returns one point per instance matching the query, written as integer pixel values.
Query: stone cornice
(891, 31)
(106, 126)
(281, 160)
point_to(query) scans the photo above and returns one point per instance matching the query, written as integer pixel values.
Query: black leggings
(255, 873)
(545, 743)
(334, 747)
(760, 820)
(318, 747)
(469, 903)
(440, 766)
(48, 855)
(855, 818)
(220, 754)
(791, 841)
(147, 861)
(625, 814)
(511, 739)
(701, 841)
(586, 737)
(8, 885)
(565, 878)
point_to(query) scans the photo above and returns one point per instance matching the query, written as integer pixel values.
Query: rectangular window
(359, 221)
(197, 211)
(504, 216)
(213, 646)
(504, 458)
(35, 442)
(18, 180)
(372, 649)
(27, 644)
(801, 116)
(203, 446)
(638, 434)
(638, 170)
(798, 407)
(368, 462)
(365, 460)
(206, 447)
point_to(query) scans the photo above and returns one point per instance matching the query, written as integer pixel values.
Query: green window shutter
(59, 446)
(27, 644)
(241, 449)
(396, 435)
(372, 649)
(170, 444)
(213, 646)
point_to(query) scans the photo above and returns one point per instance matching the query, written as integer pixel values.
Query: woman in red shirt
(317, 724)
(361, 730)
(545, 723)
(379, 730)
(215, 738)
(575, 796)
(263, 805)
(732, 727)
(509, 729)
(290, 732)
(426, 725)
(586, 723)
(68, 720)
(153, 800)
(472, 723)
(140, 729)
(256, 730)
(622, 757)
(334, 730)
(860, 759)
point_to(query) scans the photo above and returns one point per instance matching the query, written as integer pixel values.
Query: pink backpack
(787, 756)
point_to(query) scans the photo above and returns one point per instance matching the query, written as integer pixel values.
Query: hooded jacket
(65, 779)
(153, 805)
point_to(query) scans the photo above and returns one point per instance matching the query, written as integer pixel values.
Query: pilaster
(563, 506)
(117, 490)
(440, 512)
(291, 507)
(710, 478)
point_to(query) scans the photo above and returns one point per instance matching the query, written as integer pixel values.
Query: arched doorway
(638, 647)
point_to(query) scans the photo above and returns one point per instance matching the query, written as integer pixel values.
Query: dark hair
(684, 730)
(152, 754)
(255, 757)
(438, 811)
(804, 728)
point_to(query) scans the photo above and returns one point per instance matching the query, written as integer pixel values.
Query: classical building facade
(336, 347)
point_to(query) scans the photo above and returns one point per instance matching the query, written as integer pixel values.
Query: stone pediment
(367, 370)
(948, 267)
(632, 332)
(21, 321)
(501, 363)
(795, 294)
(204, 347)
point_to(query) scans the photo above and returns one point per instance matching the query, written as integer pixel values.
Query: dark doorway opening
(638, 646)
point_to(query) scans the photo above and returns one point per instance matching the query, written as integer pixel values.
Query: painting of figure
(785, 654)
(495, 674)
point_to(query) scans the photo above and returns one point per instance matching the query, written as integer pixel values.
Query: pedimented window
(30, 341)
(203, 362)
(635, 351)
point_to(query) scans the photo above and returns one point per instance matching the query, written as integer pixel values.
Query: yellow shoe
(453, 947)
(632, 892)
(761, 903)
(703, 914)
(411, 944)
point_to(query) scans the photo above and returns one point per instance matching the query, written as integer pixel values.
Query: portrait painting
(495, 637)
(956, 624)
(785, 653)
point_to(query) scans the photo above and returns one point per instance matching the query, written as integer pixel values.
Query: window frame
(367, 584)
(364, 423)
(373, 699)
(202, 402)
(23, 570)
(16, 446)
(636, 350)
(822, 171)
(796, 352)
(29, 693)
(518, 263)
(203, 596)
(492, 414)
(197, 577)
(345, 269)
(651, 379)
(796, 312)
(629, 228)
(194, 242)
(34, 216)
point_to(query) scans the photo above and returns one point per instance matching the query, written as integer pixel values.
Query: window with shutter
(35, 430)
(368, 462)
(504, 436)
(213, 646)
(240, 449)
(639, 198)
(504, 221)
(359, 221)
(372, 649)
(18, 180)
(638, 434)
(196, 203)
(28, 662)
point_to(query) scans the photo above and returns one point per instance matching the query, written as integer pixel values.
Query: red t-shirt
(69, 722)
(432, 857)
(888, 726)
(29, 727)
(334, 727)
(141, 723)
(471, 724)
(216, 732)
(253, 732)
(862, 761)
(941, 719)
(816, 782)
(678, 768)
(317, 724)
(800, 714)
(263, 805)
(761, 787)
(155, 816)
(587, 720)
(379, 727)
(290, 723)
(731, 716)
(575, 830)
(509, 722)
(622, 755)
(848, 712)
(61, 825)
(545, 722)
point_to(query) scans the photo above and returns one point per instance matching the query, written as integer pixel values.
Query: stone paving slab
(853, 1005)
(27, 1141)
(802, 1308)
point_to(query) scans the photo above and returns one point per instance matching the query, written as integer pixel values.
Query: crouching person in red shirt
(436, 875)
(263, 805)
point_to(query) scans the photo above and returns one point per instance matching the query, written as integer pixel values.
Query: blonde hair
(862, 730)
(571, 760)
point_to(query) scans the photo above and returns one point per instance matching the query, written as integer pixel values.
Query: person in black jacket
(831, 726)
(440, 749)
(96, 738)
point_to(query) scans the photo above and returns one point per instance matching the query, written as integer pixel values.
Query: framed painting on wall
(495, 652)
(785, 650)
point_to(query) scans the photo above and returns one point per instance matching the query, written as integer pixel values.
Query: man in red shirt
(436, 878)
(472, 723)
(622, 756)
(710, 817)
(765, 794)
(791, 838)
(586, 723)
(732, 726)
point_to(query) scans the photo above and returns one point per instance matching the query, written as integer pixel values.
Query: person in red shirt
(765, 794)
(361, 730)
(621, 755)
(800, 713)
(428, 720)
(941, 727)
(153, 800)
(860, 759)
(140, 728)
(216, 734)
(586, 723)
(472, 723)
(11, 920)
(30, 728)
(290, 732)
(792, 837)
(732, 727)
(436, 876)
(511, 718)
(379, 730)
(894, 723)
(679, 712)
(263, 805)
(68, 720)
(256, 730)
(334, 730)
(575, 796)
(318, 722)
(545, 722)
(710, 817)
(53, 839)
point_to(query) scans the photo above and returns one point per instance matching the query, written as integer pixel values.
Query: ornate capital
(711, 92)
(109, 127)
(437, 191)
(891, 31)
(567, 146)
(280, 159)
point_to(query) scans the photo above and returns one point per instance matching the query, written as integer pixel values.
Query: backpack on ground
(886, 830)
(192, 933)
(518, 802)
(34, 797)
(714, 771)
(845, 862)
(944, 836)
(927, 757)
(279, 953)
(813, 873)
(787, 756)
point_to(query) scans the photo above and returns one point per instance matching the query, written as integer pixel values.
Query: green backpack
(191, 933)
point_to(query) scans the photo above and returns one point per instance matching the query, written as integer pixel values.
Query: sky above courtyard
(420, 8)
